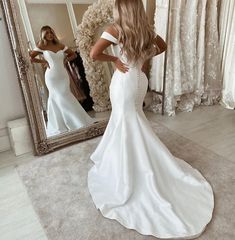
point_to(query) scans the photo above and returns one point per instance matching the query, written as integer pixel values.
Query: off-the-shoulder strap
(65, 48)
(38, 49)
(109, 37)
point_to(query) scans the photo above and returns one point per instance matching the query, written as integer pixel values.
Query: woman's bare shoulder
(112, 30)
(40, 45)
(61, 46)
(44, 47)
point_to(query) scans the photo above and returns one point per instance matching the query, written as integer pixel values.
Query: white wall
(11, 101)
(54, 15)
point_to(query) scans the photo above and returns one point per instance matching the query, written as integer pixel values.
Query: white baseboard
(4, 140)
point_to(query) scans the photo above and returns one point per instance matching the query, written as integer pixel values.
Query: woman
(135, 179)
(64, 111)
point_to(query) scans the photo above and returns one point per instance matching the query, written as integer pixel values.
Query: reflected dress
(64, 112)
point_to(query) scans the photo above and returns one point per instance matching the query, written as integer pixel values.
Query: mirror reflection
(64, 111)
(51, 27)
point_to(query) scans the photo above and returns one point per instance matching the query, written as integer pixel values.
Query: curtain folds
(227, 43)
(193, 62)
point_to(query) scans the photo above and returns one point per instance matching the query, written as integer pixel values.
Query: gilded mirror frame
(42, 143)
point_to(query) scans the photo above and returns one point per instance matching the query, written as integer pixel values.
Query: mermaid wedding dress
(64, 112)
(135, 179)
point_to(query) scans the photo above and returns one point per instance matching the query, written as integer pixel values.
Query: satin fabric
(135, 179)
(64, 112)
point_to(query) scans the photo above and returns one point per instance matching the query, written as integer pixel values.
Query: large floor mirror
(66, 101)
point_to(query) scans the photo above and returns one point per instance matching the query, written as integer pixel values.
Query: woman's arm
(145, 67)
(97, 52)
(160, 45)
(33, 54)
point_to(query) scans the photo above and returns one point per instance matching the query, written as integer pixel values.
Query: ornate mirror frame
(30, 92)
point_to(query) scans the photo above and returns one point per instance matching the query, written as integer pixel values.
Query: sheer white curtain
(192, 73)
(161, 22)
(227, 42)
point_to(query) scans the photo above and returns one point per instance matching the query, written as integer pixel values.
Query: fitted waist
(56, 68)
(132, 70)
(133, 66)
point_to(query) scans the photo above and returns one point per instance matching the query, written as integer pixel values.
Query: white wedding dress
(135, 179)
(64, 112)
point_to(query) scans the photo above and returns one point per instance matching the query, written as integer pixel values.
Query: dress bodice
(55, 59)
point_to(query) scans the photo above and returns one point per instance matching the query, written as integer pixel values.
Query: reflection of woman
(135, 179)
(64, 111)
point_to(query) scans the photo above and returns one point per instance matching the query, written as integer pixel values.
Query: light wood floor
(212, 127)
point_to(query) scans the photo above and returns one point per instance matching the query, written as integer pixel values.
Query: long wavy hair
(136, 35)
(43, 31)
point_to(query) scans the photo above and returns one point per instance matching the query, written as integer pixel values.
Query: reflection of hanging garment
(88, 102)
(227, 43)
(75, 82)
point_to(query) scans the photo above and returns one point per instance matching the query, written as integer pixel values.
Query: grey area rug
(57, 186)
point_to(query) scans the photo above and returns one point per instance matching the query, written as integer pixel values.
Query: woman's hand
(70, 56)
(45, 64)
(30, 53)
(121, 66)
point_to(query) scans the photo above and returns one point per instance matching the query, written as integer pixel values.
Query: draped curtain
(193, 55)
(227, 42)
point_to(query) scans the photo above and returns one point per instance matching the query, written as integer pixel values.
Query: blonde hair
(43, 31)
(135, 33)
